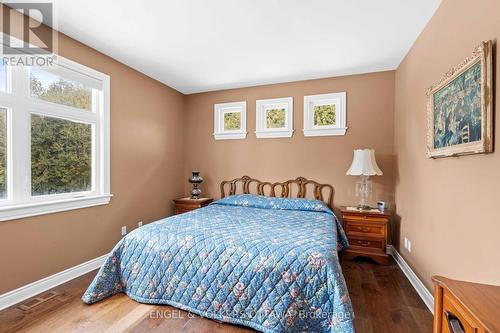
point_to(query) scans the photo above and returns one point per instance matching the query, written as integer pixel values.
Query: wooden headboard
(293, 188)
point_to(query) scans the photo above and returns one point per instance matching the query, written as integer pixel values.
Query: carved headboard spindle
(286, 188)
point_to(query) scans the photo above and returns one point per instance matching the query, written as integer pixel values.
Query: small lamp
(364, 165)
(195, 179)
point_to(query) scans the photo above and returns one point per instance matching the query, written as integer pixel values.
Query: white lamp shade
(364, 164)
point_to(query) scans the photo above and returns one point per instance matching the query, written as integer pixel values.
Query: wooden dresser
(465, 307)
(184, 205)
(367, 234)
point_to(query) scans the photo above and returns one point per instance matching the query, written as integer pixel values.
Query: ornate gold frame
(279, 189)
(482, 53)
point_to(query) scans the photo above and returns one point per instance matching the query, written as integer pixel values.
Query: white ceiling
(203, 45)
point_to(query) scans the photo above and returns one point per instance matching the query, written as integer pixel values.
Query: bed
(267, 260)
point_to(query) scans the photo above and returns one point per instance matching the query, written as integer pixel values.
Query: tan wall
(146, 161)
(370, 104)
(449, 207)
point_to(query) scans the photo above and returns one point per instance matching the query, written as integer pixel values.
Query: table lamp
(195, 179)
(364, 165)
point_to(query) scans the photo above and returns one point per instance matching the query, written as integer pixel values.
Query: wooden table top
(372, 211)
(481, 300)
(188, 200)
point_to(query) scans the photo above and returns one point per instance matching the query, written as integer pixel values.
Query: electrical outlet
(409, 246)
(406, 243)
(139, 224)
(124, 230)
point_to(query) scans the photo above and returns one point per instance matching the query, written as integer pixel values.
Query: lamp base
(363, 189)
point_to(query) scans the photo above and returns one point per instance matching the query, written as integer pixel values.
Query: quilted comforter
(267, 263)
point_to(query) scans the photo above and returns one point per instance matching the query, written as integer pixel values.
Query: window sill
(229, 135)
(274, 134)
(49, 207)
(325, 131)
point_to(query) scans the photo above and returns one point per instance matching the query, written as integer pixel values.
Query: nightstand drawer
(367, 243)
(359, 218)
(365, 229)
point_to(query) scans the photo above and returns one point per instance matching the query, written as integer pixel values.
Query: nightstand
(367, 234)
(184, 205)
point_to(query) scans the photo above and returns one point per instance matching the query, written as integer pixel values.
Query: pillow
(261, 201)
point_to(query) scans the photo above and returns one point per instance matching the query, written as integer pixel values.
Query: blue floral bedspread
(267, 263)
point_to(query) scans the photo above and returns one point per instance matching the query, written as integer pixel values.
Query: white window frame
(261, 107)
(339, 99)
(21, 105)
(220, 110)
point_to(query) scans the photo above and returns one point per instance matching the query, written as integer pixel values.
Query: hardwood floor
(383, 300)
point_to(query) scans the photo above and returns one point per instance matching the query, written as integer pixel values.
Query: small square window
(325, 114)
(230, 121)
(274, 118)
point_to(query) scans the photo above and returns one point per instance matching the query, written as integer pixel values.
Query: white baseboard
(20, 294)
(422, 291)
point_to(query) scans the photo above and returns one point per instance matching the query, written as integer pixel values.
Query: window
(61, 156)
(52, 88)
(54, 139)
(274, 118)
(230, 121)
(3, 153)
(325, 114)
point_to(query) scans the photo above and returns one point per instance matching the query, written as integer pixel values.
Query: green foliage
(325, 115)
(61, 153)
(62, 92)
(3, 153)
(61, 150)
(275, 118)
(232, 121)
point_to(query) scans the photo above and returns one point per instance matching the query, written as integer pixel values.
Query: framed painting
(460, 106)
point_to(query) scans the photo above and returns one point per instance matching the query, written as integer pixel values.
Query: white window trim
(55, 206)
(20, 207)
(219, 110)
(334, 98)
(262, 106)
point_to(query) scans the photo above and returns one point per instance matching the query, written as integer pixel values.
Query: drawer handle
(365, 243)
(364, 229)
(454, 323)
